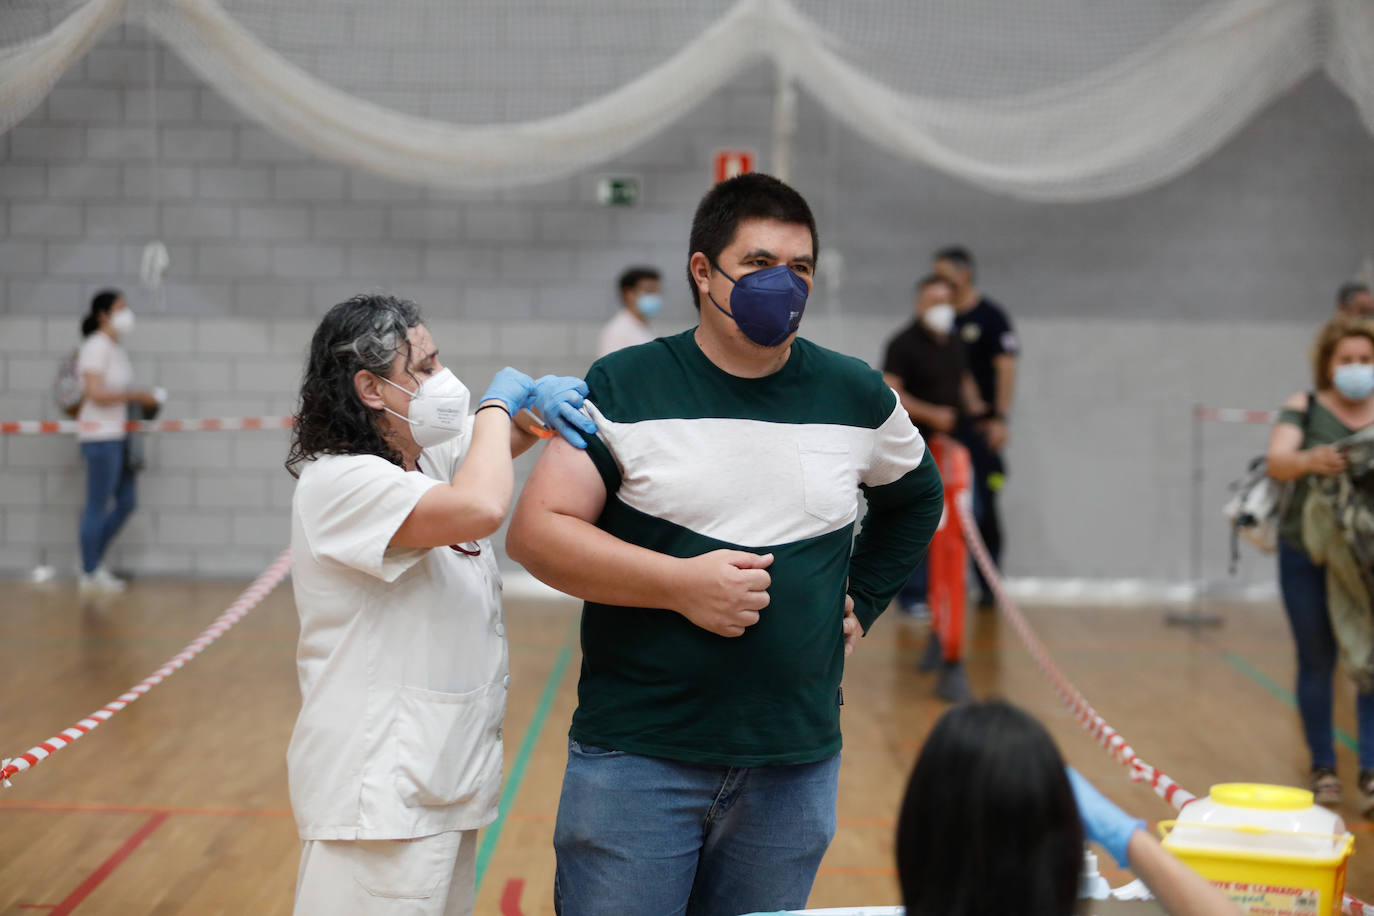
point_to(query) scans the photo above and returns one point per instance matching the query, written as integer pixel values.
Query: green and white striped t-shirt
(695, 459)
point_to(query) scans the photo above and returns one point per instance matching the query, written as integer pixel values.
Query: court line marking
(56, 807)
(510, 897)
(1241, 664)
(27, 640)
(106, 868)
(492, 835)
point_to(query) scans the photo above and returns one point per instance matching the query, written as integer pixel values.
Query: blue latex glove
(1103, 822)
(512, 388)
(556, 399)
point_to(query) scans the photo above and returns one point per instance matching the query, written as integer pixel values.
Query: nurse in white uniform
(395, 760)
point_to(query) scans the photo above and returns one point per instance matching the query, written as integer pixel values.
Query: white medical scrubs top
(402, 659)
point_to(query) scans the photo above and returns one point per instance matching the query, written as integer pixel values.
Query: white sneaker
(108, 580)
(101, 582)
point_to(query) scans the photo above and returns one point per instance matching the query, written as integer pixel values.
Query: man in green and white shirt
(708, 527)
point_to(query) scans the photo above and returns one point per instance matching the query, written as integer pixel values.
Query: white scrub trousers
(427, 876)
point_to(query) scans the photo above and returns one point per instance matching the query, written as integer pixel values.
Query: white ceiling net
(1056, 100)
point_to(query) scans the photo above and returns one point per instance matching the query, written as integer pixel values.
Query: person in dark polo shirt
(926, 365)
(991, 348)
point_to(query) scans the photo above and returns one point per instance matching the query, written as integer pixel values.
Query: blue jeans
(107, 481)
(640, 835)
(1303, 584)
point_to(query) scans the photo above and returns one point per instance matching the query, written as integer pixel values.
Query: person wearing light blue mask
(641, 299)
(709, 526)
(1302, 449)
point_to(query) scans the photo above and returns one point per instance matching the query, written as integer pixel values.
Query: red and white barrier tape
(1236, 415)
(1110, 739)
(51, 427)
(251, 598)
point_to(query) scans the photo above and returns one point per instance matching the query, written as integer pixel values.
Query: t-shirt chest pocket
(828, 480)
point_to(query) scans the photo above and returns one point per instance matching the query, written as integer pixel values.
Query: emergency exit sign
(732, 162)
(617, 190)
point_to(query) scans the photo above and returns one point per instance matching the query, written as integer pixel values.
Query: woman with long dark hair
(395, 760)
(994, 823)
(106, 377)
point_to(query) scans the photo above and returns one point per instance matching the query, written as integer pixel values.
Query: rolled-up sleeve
(350, 508)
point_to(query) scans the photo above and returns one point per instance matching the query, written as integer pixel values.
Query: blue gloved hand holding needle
(556, 400)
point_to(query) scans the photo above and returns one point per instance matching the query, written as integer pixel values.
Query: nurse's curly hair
(364, 332)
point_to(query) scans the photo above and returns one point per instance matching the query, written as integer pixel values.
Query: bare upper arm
(1286, 436)
(894, 382)
(1297, 401)
(564, 481)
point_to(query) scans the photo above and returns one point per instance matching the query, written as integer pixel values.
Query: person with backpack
(1302, 450)
(106, 379)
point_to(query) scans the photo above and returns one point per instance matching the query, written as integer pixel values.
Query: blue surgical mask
(1354, 380)
(766, 304)
(648, 304)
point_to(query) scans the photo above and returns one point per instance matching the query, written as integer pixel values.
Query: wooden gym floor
(178, 805)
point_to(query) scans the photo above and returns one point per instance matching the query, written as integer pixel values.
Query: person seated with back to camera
(993, 823)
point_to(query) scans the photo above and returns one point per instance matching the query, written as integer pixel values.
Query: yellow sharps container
(1268, 847)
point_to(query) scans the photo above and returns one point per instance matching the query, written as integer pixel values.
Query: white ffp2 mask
(122, 321)
(438, 408)
(939, 318)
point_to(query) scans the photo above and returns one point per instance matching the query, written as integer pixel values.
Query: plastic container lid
(1256, 817)
(1261, 796)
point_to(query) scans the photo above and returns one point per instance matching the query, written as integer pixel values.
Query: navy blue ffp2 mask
(766, 304)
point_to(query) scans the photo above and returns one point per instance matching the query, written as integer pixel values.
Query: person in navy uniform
(991, 348)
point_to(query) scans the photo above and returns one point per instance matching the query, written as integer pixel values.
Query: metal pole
(1194, 617)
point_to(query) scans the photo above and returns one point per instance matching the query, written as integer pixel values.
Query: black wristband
(499, 406)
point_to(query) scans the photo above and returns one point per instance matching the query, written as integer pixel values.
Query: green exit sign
(617, 190)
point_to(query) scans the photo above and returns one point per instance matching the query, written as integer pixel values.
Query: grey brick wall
(1205, 289)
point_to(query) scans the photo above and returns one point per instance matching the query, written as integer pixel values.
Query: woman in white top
(106, 377)
(395, 760)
